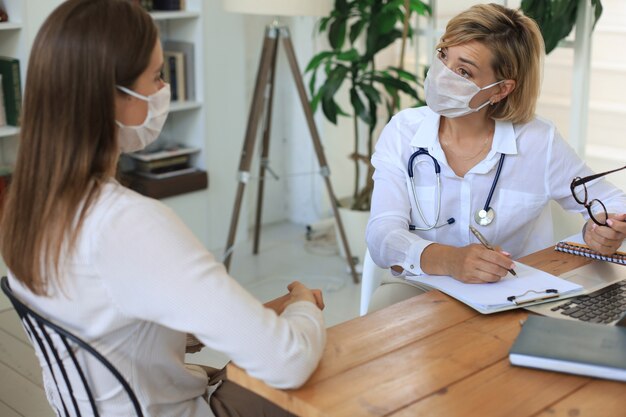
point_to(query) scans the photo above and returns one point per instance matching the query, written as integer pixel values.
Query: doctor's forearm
(433, 260)
(436, 258)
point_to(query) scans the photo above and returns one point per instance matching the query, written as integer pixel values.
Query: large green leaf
(356, 29)
(337, 33)
(420, 8)
(349, 55)
(372, 94)
(404, 74)
(358, 106)
(394, 83)
(316, 99)
(329, 107)
(317, 60)
(342, 6)
(556, 18)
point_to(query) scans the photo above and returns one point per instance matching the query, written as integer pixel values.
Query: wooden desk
(433, 356)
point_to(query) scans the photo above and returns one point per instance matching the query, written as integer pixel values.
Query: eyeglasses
(595, 207)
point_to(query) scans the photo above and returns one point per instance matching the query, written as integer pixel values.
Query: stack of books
(11, 93)
(178, 69)
(165, 163)
(164, 173)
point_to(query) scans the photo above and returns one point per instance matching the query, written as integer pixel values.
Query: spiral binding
(574, 249)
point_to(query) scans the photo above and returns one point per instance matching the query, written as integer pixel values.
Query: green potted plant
(357, 31)
(556, 18)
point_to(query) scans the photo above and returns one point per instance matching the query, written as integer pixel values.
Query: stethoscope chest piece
(484, 217)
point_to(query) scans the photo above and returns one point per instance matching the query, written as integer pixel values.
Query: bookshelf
(12, 44)
(186, 122)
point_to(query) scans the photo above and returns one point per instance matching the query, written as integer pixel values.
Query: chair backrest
(370, 280)
(40, 332)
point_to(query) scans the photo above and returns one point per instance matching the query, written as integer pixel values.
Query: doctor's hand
(472, 264)
(606, 239)
(475, 264)
(297, 292)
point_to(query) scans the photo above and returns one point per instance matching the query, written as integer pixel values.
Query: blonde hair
(517, 47)
(68, 146)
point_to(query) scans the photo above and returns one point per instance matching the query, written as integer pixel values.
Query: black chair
(39, 331)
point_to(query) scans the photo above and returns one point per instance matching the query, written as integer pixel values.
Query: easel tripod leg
(270, 44)
(265, 151)
(319, 150)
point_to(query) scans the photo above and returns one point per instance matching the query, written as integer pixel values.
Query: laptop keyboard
(603, 306)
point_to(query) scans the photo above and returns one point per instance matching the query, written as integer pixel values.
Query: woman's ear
(506, 88)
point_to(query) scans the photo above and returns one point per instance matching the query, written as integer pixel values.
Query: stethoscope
(483, 216)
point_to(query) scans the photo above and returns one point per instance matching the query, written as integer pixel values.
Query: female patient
(118, 269)
(499, 165)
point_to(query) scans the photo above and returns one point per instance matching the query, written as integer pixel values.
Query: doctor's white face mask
(449, 94)
(135, 138)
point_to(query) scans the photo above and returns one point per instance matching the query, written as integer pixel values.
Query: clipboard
(531, 286)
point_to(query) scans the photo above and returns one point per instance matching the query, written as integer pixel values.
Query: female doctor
(477, 156)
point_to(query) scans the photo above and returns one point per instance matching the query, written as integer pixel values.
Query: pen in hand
(486, 244)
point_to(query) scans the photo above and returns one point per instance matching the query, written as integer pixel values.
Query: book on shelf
(575, 245)
(153, 164)
(162, 165)
(571, 346)
(163, 153)
(168, 4)
(187, 49)
(174, 74)
(167, 173)
(166, 187)
(3, 113)
(12, 89)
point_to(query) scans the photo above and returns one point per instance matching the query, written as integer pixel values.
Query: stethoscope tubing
(424, 151)
(495, 182)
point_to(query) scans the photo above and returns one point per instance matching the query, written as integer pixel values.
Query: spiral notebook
(575, 245)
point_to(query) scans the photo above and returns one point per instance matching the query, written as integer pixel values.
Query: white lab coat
(539, 166)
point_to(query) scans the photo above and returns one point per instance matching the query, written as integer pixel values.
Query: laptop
(604, 300)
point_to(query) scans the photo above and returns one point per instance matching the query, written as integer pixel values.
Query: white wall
(232, 45)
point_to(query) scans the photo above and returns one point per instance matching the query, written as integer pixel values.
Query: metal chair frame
(38, 330)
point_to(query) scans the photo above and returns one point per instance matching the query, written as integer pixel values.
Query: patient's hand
(297, 292)
(606, 239)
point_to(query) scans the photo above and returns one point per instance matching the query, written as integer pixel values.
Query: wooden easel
(265, 83)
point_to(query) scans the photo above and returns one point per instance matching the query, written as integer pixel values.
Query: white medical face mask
(135, 138)
(449, 94)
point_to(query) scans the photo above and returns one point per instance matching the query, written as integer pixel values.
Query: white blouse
(139, 281)
(538, 167)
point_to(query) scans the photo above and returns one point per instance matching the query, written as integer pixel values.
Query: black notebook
(574, 347)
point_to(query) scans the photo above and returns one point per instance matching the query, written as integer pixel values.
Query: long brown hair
(516, 46)
(68, 146)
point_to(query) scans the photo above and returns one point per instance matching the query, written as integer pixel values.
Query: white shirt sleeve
(156, 270)
(388, 238)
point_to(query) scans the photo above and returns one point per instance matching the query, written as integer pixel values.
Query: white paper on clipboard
(531, 286)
